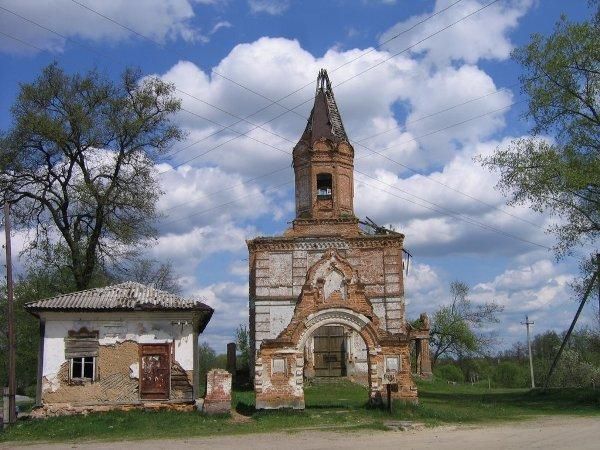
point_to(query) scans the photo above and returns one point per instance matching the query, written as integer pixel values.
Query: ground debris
(403, 425)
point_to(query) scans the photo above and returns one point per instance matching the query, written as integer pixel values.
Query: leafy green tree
(453, 330)
(78, 165)
(206, 360)
(574, 371)
(243, 347)
(36, 283)
(557, 169)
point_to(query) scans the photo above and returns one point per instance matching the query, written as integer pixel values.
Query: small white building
(126, 344)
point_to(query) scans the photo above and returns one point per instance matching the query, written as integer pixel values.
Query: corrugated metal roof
(128, 296)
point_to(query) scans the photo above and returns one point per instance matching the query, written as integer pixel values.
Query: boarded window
(278, 366)
(392, 364)
(81, 344)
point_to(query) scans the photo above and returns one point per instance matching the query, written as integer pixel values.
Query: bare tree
(152, 273)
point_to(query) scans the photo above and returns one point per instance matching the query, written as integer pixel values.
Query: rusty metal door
(155, 371)
(329, 352)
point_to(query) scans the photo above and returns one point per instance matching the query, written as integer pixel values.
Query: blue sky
(275, 47)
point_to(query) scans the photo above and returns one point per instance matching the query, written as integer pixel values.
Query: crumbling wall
(218, 392)
(279, 368)
(278, 268)
(116, 381)
(117, 363)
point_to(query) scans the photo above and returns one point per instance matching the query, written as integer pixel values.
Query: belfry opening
(327, 298)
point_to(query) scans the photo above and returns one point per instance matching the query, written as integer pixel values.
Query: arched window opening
(324, 184)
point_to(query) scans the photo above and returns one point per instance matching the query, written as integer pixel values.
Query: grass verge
(340, 405)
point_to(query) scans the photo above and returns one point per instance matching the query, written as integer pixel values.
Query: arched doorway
(331, 297)
(336, 351)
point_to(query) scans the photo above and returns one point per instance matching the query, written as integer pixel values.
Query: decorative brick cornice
(324, 243)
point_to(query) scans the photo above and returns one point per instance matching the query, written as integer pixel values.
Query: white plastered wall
(117, 327)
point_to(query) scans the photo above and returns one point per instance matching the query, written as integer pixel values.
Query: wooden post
(10, 318)
(5, 407)
(40, 367)
(196, 363)
(568, 335)
(389, 397)
(527, 323)
(231, 360)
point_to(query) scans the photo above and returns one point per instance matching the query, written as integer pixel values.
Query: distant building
(126, 344)
(326, 298)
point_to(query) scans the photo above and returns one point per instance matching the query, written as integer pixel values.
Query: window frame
(83, 362)
(329, 177)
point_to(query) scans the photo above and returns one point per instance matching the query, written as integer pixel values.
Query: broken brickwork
(117, 346)
(218, 392)
(325, 271)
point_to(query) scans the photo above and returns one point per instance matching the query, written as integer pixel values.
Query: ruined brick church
(326, 298)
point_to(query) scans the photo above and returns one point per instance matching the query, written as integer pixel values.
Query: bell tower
(323, 162)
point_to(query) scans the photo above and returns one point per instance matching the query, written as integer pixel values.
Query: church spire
(324, 120)
(324, 170)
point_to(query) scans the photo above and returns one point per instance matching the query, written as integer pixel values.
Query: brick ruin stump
(218, 392)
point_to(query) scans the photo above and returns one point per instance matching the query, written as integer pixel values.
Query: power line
(293, 109)
(450, 108)
(239, 134)
(242, 183)
(222, 205)
(397, 162)
(110, 19)
(442, 210)
(394, 187)
(340, 83)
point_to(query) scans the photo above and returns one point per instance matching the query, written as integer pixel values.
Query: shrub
(510, 374)
(449, 372)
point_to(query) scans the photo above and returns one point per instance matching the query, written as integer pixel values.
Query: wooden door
(155, 371)
(329, 352)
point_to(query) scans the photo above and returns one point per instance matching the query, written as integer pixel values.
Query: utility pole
(527, 323)
(570, 330)
(10, 318)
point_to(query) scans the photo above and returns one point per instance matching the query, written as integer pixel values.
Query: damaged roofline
(207, 311)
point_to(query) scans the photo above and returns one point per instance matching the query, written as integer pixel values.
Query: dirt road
(547, 433)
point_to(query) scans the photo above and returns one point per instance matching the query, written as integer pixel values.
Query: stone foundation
(68, 409)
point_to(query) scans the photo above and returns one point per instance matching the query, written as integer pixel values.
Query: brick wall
(218, 392)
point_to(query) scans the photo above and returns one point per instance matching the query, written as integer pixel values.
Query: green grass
(339, 405)
(443, 403)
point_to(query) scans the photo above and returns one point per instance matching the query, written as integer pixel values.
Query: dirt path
(546, 433)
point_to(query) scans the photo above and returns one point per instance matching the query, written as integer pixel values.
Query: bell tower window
(324, 184)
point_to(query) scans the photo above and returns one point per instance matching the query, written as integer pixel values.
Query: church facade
(327, 299)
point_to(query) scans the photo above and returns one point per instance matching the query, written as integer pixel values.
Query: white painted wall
(116, 327)
(272, 316)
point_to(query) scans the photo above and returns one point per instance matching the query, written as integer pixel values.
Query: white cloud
(158, 19)
(230, 301)
(438, 220)
(207, 196)
(273, 7)
(481, 36)
(222, 24)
